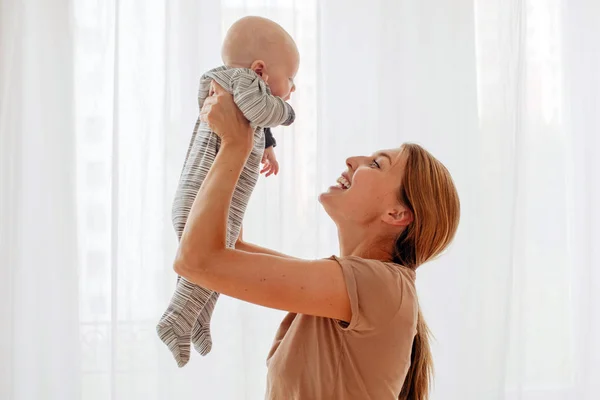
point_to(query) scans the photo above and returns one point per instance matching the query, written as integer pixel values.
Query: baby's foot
(175, 326)
(201, 333)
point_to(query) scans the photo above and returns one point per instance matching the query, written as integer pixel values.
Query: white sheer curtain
(97, 102)
(537, 275)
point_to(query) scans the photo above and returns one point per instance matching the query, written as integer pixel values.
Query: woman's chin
(332, 190)
(332, 203)
(323, 197)
(327, 198)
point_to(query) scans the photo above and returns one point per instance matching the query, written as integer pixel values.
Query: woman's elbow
(180, 268)
(189, 267)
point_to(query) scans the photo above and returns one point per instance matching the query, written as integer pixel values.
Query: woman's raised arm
(308, 287)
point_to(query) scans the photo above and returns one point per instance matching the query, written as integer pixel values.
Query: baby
(261, 60)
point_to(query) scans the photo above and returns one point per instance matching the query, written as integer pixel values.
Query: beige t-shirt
(315, 358)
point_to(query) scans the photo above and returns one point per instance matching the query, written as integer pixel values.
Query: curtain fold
(582, 122)
(41, 352)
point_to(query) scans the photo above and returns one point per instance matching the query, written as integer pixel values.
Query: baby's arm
(269, 160)
(261, 108)
(269, 139)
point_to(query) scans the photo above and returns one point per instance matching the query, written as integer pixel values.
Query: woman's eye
(375, 164)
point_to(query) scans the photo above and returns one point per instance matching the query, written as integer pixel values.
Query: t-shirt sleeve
(379, 293)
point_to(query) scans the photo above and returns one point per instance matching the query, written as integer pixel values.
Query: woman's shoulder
(378, 277)
(379, 291)
(380, 266)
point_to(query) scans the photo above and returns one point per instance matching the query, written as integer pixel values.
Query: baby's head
(266, 48)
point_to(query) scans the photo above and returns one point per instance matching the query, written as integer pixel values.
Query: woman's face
(368, 190)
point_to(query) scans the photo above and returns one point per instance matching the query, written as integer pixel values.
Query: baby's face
(280, 77)
(281, 85)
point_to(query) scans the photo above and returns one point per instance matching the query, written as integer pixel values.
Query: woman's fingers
(206, 108)
(217, 89)
(212, 111)
(223, 117)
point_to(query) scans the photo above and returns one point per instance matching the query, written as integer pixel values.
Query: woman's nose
(357, 161)
(352, 162)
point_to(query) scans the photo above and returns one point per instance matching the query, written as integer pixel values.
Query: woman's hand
(225, 119)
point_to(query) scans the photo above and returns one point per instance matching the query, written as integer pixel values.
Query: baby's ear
(259, 67)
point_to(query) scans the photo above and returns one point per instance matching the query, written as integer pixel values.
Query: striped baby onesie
(190, 310)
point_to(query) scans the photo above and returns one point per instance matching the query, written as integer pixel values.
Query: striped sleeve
(269, 139)
(255, 100)
(221, 75)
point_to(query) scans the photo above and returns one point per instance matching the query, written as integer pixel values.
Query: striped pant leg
(175, 325)
(201, 332)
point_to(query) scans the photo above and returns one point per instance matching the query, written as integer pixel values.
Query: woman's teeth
(343, 183)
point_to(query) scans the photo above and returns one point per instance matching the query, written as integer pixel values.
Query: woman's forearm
(206, 228)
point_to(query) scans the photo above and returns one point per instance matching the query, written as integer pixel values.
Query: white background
(97, 104)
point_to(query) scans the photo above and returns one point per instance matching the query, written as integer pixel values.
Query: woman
(354, 330)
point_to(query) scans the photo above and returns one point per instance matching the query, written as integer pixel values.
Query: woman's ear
(260, 68)
(398, 217)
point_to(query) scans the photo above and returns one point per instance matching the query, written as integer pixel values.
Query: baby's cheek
(280, 89)
(276, 90)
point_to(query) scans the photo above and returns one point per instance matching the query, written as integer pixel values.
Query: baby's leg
(201, 333)
(175, 326)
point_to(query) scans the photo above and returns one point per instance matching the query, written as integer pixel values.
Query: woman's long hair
(428, 191)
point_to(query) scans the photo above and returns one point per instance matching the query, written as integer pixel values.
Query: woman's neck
(365, 243)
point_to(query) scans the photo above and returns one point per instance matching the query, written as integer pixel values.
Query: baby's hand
(269, 161)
